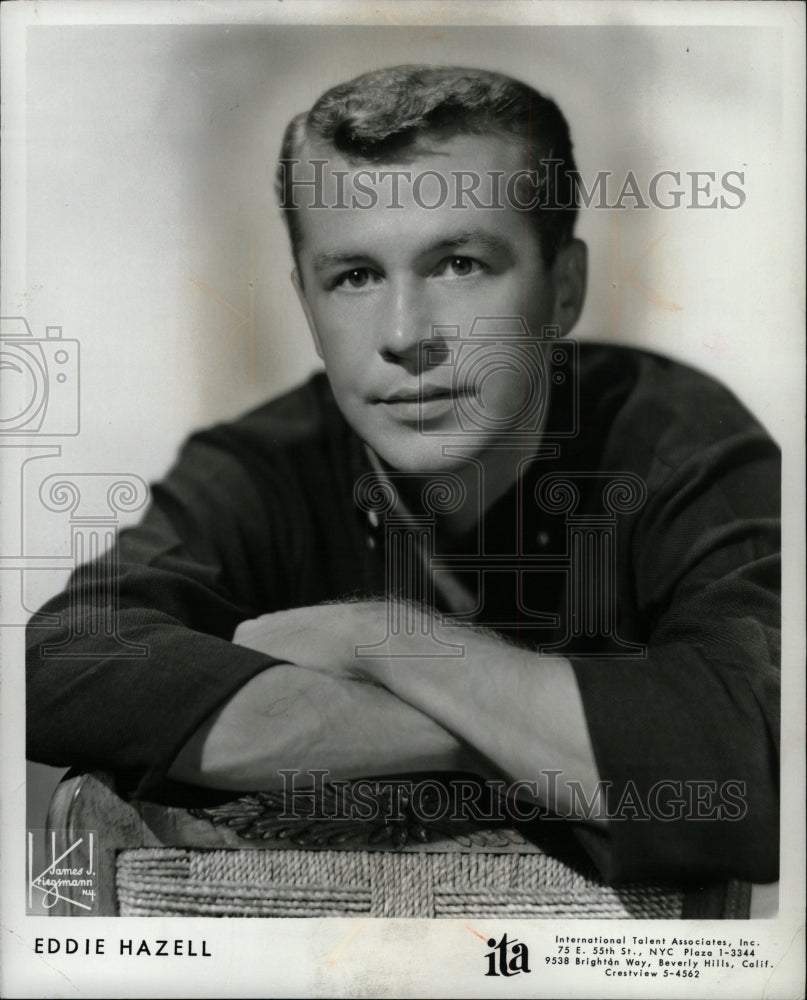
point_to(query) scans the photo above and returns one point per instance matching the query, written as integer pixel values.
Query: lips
(423, 394)
(423, 405)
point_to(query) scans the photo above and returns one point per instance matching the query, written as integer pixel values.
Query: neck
(485, 480)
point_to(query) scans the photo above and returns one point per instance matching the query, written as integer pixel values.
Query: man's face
(380, 282)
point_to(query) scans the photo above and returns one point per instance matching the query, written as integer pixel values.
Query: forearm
(520, 710)
(289, 717)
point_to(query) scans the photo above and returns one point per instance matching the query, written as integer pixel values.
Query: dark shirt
(679, 674)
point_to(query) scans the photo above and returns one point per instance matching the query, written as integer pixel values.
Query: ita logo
(62, 869)
(508, 957)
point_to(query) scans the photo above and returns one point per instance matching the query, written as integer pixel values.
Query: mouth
(423, 404)
(423, 394)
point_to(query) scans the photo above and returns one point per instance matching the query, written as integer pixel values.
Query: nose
(403, 325)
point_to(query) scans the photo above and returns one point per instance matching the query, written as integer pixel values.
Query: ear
(569, 274)
(312, 326)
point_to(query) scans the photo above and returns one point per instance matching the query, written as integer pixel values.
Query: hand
(322, 637)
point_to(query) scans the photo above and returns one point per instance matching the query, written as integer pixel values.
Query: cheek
(344, 366)
(520, 296)
(334, 339)
(342, 333)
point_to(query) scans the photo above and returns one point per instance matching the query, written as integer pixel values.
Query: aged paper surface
(143, 248)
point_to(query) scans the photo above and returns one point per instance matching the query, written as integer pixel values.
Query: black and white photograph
(402, 528)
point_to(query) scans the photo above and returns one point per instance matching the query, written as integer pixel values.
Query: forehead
(439, 186)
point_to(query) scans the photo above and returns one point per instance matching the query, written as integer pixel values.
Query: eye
(459, 267)
(357, 278)
(462, 266)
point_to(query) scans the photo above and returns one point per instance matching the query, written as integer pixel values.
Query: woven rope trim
(176, 882)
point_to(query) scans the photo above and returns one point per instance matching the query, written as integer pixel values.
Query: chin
(421, 458)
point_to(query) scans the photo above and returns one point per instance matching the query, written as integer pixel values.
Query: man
(431, 213)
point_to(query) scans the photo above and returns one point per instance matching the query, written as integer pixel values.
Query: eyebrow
(466, 237)
(325, 260)
(475, 237)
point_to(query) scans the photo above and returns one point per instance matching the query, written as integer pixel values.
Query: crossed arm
(492, 710)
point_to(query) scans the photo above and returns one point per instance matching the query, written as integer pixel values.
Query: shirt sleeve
(687, 738)
(142, 654)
